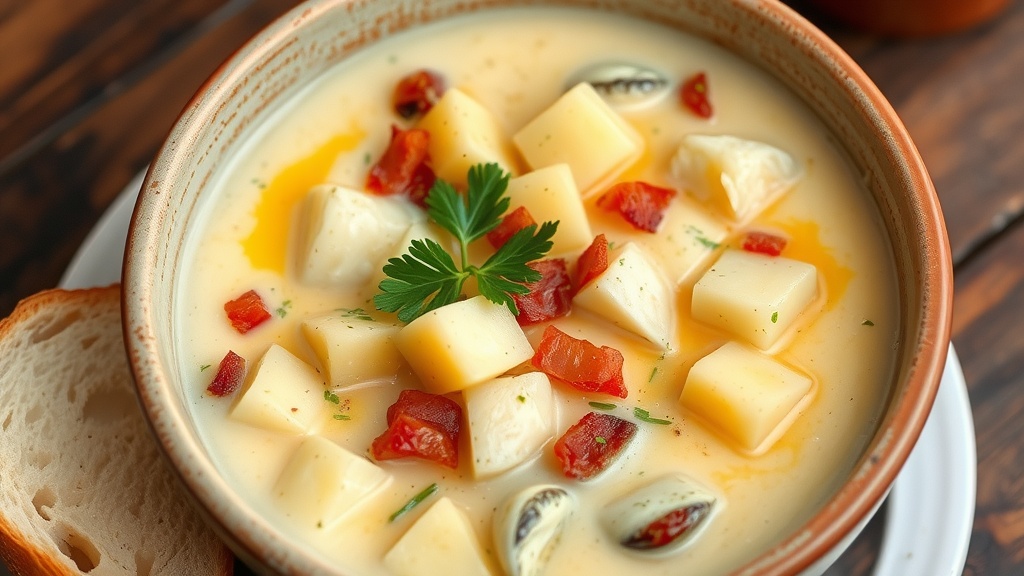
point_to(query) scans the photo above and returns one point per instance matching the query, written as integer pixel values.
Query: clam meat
(660, 516)
(528, 526)
(623, 84)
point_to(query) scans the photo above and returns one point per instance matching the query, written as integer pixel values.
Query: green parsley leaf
(427, 277)
(775, 317)
(331, 397)
(602, 405)
(413, 502)
(645, 416)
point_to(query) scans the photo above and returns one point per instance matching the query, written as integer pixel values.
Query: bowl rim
(253, 539)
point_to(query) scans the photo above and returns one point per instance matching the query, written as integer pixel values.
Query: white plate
(930, 509)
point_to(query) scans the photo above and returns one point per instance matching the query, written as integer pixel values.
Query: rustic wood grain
(50, 200)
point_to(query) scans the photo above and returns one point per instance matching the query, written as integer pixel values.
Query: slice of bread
(83, 487)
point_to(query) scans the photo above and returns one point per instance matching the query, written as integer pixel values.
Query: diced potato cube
(464, 133)
(754, 296)
(353, 349)
(510, 418)
(463, 344)
(323, 482)
(581, 130)
(345, 233)
(688, 236)
(281, 393)
(441, 541)
(550, 195)
(745, 395)
(633, 295)
(740, 177)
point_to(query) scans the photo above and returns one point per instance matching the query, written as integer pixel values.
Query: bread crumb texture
(83, 488)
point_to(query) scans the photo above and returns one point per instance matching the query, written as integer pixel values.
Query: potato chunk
(353, 349)
(323, 482)
(345, 233)
(754, 296)
(281, 393)
(633, 295)
(740, 177)
(441, 541)
(510, 418)
(581, 130)
(744, 395)
(463, 344)
(550, 194)
(464, 133)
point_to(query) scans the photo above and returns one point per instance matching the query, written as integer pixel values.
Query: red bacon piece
(513, 222)
(580, 363)
(591, 263)
(247, 311)
(764, 243)
(421, 425)
(694, 95)
(589, 446)
(403, 168)
(641, 204)
(417, 93)
(229, 377)
(549, 297)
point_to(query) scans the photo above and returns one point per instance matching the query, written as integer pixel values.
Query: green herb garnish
(602, 405)
(775, 317)
(282, 310)
(204, 367)
(426, 277)
(600, 440)
(357, 313)
(414, 502)
(342, 417)
(521, 398)
(867, 323)
(654, 372)
(331, 397)
(645, 416)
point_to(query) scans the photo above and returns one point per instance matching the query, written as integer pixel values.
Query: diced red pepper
(669, 527)
(643, 205)
(247, 311)
(694, 95)
(403, 168)
(229, 375)
(549, 297)
(417, 93)
(592, 444)
(513, 222)
(421, 425)
(764, 243)
(592, 262)
(580, 363)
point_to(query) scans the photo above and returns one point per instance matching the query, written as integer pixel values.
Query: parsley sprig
(427, 277)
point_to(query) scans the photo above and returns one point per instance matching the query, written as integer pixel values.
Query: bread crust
(83, 486)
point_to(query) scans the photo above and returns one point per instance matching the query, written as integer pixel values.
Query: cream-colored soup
(516, 63)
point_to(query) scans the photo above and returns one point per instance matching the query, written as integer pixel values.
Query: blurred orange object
(909, 18)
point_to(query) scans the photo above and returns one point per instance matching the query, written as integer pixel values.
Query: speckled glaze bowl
(298, 47)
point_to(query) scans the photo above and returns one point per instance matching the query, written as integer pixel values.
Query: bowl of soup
(538, 288)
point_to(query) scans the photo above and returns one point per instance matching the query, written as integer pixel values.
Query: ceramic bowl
(303, 43)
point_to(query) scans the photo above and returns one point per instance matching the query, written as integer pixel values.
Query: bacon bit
(641, 204)
(417, 93)
(513, 222)
(421, 425)
(591, 263)
(669, 527)
(694, 95)
(582, 454)
(548, 297)
(764, 243)
(229, 375)
(247, 311)
(403, 167)
(580, 364)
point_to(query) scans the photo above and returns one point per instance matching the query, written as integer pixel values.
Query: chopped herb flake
(602, 405)
(654, 372)
(645, 416)
(775, 317)
(867, 323)
(282, 310)
(521, 398)
(600, 440)
(414, 502)
(331, 397)
(204, 367)
(357, 313)
(342, 417)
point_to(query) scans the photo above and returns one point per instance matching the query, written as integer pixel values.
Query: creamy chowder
(516, 64)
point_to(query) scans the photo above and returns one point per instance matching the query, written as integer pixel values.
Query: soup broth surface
(516, 63)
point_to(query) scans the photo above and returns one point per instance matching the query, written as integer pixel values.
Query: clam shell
(628, 519)
(528, 526)
(622, 84)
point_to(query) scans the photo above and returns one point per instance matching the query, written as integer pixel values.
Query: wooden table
(89, 88)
